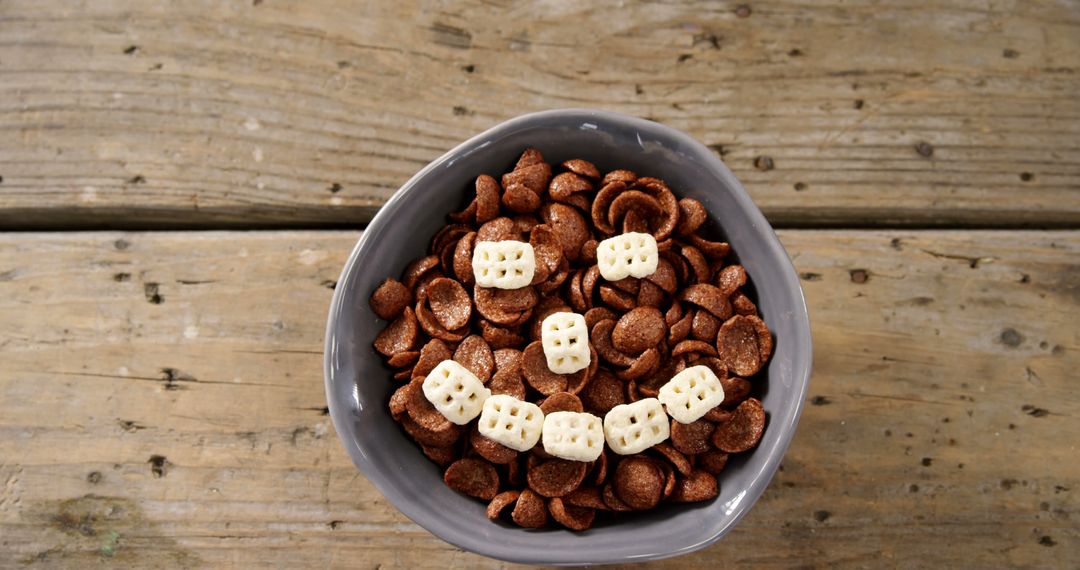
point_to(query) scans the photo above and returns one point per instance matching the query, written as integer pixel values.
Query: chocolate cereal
(694, 309)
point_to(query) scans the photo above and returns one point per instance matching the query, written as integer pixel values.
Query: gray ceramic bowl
(358, 386)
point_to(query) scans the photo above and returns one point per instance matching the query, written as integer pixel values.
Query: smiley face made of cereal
(593, 348)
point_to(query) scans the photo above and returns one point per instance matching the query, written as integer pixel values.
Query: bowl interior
(358, 385)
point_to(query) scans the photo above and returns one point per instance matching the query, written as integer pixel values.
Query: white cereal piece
(631, 254)
(565, 339)
(503, 264)
(691, 393)
(573, 436)
(632, 428)
(511, 422)
(455, 392)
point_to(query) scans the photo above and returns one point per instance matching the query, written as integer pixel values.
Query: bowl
(358, 385)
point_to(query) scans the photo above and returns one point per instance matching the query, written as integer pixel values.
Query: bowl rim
(759, 481)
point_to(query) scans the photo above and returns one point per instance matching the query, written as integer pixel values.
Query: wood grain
(152, 114)
(163, 406)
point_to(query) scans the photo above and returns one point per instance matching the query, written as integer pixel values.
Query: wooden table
(161, 400)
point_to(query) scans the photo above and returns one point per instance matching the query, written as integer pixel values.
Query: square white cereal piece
(573, 436)
(565, 339)
(511, 422)
(633, 428)
(503, 264)
(455, 392)
(632, 254)
(691, 393)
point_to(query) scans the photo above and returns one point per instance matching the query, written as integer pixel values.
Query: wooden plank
(204, 113)
(163, 406)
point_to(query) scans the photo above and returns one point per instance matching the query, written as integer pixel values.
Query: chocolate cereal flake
(434, 352)
(639, 482)
(499, 503)
(692, 438)
(691, 216)
(561, 402)
(744, 344)
(474, 354)
(491, 450)
(572, 517)
(639, 329)
(403, 358)
(603, 393)
(698, 486)
(449, 303)
(712, 461)
(487, 198)
(743, 430)
(399, 336)
(586, 496)
(473, 477)
(390, 299)
(530, 511)
(556, 477)
(582, 168)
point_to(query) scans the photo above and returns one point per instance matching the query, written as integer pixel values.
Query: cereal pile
(572, 345)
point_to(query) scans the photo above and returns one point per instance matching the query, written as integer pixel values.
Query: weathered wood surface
(162, 405)
(203, 113)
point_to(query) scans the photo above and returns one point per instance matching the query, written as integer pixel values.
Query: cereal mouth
(575, 346)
